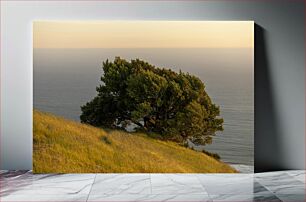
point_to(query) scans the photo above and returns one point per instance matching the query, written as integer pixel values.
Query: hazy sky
(143, 34)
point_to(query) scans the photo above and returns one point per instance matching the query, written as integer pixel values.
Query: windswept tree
(174, 105)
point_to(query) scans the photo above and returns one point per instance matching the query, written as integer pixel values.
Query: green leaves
(143, 109)
(159, 100)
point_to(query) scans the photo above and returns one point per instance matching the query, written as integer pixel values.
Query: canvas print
(143, 96)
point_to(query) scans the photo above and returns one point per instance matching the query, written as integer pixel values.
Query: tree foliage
(159, 100)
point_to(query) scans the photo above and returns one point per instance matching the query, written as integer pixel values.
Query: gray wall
(279, 67)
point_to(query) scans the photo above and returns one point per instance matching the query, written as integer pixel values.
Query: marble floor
(270, 186)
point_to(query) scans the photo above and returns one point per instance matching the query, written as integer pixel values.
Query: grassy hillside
(64, 146)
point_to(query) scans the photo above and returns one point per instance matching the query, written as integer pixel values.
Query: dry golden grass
(64, 146)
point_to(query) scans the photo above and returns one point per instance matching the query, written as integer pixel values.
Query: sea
(65, 79)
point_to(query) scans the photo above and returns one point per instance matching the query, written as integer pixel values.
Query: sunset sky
(143, 34)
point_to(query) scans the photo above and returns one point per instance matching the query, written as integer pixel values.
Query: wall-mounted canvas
(143, 96)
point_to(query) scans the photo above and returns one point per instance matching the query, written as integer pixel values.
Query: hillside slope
(62, 146)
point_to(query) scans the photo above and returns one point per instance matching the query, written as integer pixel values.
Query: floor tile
(292, 197)
(48, 184)
(258, 188)
(181, 198)
(265, 198)
(287, 186)
(245, 198)
(43, 198)
(224, 184)
(150, 198)
(16, 180)
(176, 184)
(298, 175)
(118, 184)
(230, 198)
(281, 183)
